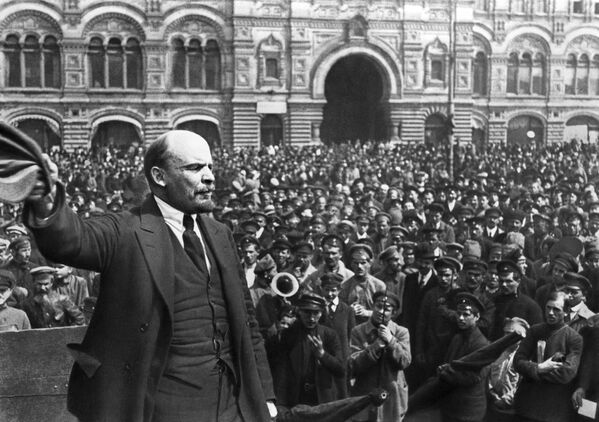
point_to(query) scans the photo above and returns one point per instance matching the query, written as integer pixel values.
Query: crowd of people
(368, 267)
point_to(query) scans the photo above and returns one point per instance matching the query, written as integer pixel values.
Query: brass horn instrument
(284, 284)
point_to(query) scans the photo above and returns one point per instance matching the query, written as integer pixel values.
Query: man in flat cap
(301, 263)
(391, 273)
(11, 319)
(474, 271)
(510, 302)
(340, 317)
(332, 253)
(417, 285)
(45, 307)
(435, 221)
(381, 236)
(541, 226)
(560, 264)
(577, 288)
(492, 221)
(69, 284)
(380, 351)
(466, 401)
(548, 360)
(309, 357)
(359, 289)
(437, 320)
(20, 263)
(280, 250)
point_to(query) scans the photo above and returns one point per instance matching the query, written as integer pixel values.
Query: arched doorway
(271, 130)
(356, 105)
(435, 130)
(207, 130)
(115, 134)
(40, 131)
(523, 130)
(582, 128)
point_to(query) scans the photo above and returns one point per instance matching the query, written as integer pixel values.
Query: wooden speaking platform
(34, 374)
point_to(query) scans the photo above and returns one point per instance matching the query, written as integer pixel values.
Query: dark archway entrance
(435, 130)
(40, 131)
(271, 130)
(115, 134)
(356, 105)
(207, 130)
(523, 130)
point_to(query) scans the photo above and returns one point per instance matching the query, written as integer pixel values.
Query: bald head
(178, 166)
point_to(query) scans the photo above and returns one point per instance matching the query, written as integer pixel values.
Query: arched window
(212, 65)
(479, 70)
(512, 73)
(114, 53)
(195, 66)
(594, 76)
(538, 74)
(95, 53)
(540, 6)
(12, 53)
(435, 130)
(524, 72)
(179, 68)
(270, 58)
(133, 64)
(570, 74)
(51, 59)
(582, 75)
(31, 51)
(195, 61)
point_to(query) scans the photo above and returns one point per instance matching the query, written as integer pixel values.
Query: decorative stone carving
(196, 25)
(73, 79)
(154, 62)
(529, 43)
(271, 8)
(438, 15)
(114, 23)
(31, 20)
(322, 37)
(73, 61)
(243, 63)
(584, 44)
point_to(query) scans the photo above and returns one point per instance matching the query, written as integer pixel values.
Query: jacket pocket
(88, 363)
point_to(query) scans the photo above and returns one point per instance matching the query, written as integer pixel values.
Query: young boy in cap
(380, 351)
(309, 357)
(467, 401)
(359, 289)
(11, 319)
(437, 319)
(577, 288)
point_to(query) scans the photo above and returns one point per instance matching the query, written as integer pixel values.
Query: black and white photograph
(299, 210)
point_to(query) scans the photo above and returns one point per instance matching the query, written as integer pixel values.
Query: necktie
(193, 245)
(331, 311)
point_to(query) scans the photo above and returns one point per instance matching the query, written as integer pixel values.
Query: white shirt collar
(174, 220)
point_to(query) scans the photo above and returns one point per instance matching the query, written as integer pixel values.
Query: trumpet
(284, 284)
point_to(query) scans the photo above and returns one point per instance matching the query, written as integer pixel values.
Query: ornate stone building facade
(257, 72)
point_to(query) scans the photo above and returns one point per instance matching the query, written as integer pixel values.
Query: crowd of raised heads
(416, 256)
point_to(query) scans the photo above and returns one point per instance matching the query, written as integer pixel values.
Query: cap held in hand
(20, 164)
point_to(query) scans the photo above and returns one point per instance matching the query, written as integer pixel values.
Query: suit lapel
(154, 241)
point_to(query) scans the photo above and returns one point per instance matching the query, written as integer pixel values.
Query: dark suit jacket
(412, 298)
(288, 373)
(123, 354)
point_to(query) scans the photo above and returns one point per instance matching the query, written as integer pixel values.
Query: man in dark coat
(174, 316)
(548, 360)
(509, 302)
(341, 318)
(309, 357)
(466, 401)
